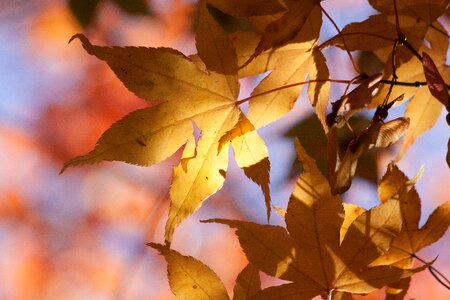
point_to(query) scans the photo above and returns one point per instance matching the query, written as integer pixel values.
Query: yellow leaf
(267, 105)
(187, 96)
(214, 46)
(189, 278)
(391, 183)
(138, 139)
(351, 213)
(311, 255)
(423, 110)
(247, 284)
(204, 173)
(251, 155)
(411, 239)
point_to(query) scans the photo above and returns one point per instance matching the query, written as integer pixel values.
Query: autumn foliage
(327, 248)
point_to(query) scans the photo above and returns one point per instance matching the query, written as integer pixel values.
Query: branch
(343, 40)
(436, 274)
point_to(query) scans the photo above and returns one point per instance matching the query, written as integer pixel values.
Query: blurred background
(82, 235)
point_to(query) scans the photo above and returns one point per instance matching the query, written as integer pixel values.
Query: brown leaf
(247, 284)
(421, 9)
(301, 21)
(311, 255)
(214, 46)
(190, 278)
(378, 33)
(411, 239)
(248, 8)
(398, 290)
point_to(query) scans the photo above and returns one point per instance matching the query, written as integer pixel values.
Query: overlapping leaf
(311, 255)
(421, 9)
(186, 94)
(378, 33)
(297, 23)
(411, 239)
(189, 278)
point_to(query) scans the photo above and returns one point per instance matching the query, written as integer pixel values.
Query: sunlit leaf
(411, 239)
(150, 135)
(190, 278)
(311, 255)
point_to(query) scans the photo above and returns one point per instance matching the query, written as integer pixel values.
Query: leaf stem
(436, 274)
(342, 38)
(342, 34)
(289, 86)
(385, 81)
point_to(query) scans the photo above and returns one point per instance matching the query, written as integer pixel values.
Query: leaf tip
(84, 40)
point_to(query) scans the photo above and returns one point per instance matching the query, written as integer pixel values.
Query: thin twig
(436, 274)
(289, 86)
(342, 38)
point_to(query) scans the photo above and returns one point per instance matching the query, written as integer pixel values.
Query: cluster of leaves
(200, 93)
(330, 248)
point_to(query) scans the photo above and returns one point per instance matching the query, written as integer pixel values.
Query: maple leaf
(150, 135)
(421, 9)
(378, 33)
(300, 17)
(311, 255)
(248, 283)
(290, 66)
(423, 109)
(189, 278)
(395, 185)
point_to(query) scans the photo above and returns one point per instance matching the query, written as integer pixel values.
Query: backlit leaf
(311, 255)
(268, 105)
(301, 17)
(150, 135)
(411, 239)
(190, 278)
